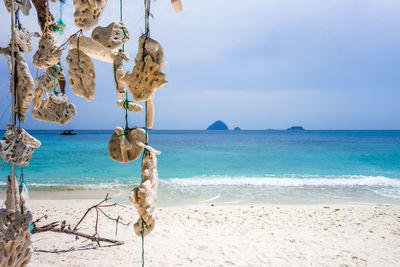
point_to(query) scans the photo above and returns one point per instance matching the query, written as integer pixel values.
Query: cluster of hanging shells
(125, 145)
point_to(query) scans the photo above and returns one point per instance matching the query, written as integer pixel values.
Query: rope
(143, 224)
(60, 25)
(54, 90)
(21, 183)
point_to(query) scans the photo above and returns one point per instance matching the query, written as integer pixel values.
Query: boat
(68, 132)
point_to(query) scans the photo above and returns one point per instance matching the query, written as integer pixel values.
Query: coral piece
(177, 5)
(111, 36)
(146, 76)
(131, 106)
(88, 12)
(124, 147)
(38, 98)
(5, 51)
(17, 145)
(118, 57)
(144, 197)
(81, 74)
(54, 109)
(24, 5)
(48, 53)
(24, 87)
(148, 46)
(22, 38)
(15, 242)
(12, 195)
(92, 48)
(46, 81)
(150, 113)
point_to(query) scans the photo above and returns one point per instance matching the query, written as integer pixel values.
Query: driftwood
(62, 227)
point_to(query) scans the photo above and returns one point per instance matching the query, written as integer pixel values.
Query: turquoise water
(230, 166)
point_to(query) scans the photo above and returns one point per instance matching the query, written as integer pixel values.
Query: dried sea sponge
(118, 58)
(177, 5)
(15, 238)
(22, 39)
(126, 147)
(53, 109)
(88, 12)
(92, 48)
(48, 53)
(24, 86)
(144, 197)
(46, 81)
(111, 36)
(146, 76)
(81, 74)
(17, 145)
(24, 5)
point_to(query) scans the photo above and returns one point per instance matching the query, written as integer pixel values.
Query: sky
(261, 64)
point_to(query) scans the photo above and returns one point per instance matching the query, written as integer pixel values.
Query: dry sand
(269, 235)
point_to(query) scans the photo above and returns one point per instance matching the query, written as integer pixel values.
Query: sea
(226, 167)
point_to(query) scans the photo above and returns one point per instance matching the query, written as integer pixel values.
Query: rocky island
(295, 128)
(218, 125)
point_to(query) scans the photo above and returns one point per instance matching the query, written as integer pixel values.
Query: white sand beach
(267, 235)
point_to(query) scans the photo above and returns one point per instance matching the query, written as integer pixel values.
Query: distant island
(237, 129)
(218, 125)
(295, 128)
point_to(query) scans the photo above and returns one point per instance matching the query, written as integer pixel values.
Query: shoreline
(227, 235)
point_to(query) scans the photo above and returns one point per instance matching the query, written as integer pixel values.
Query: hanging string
(60, 25)
(120, 19)
(21, 185)
(17, 19)
(143, 224)
(54, 78)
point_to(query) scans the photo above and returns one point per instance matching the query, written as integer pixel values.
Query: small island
(295, 128)
(218, 125)
(237, 129)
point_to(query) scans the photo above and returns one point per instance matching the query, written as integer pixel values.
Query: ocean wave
(343, 180)
(216, 180)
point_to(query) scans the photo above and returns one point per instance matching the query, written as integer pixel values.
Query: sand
(267, 235)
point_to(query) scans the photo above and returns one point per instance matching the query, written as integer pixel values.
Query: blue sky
(332, 64)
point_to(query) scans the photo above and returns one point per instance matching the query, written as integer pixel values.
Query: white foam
(349, 180)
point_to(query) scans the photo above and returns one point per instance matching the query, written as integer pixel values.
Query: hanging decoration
(112, 36)
(126, 144)
(17, 145)
(88, 12)
(81, 74)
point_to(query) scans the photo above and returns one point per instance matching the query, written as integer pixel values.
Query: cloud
(258, 64)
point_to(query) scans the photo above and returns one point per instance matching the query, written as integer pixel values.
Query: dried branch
(62, 227)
